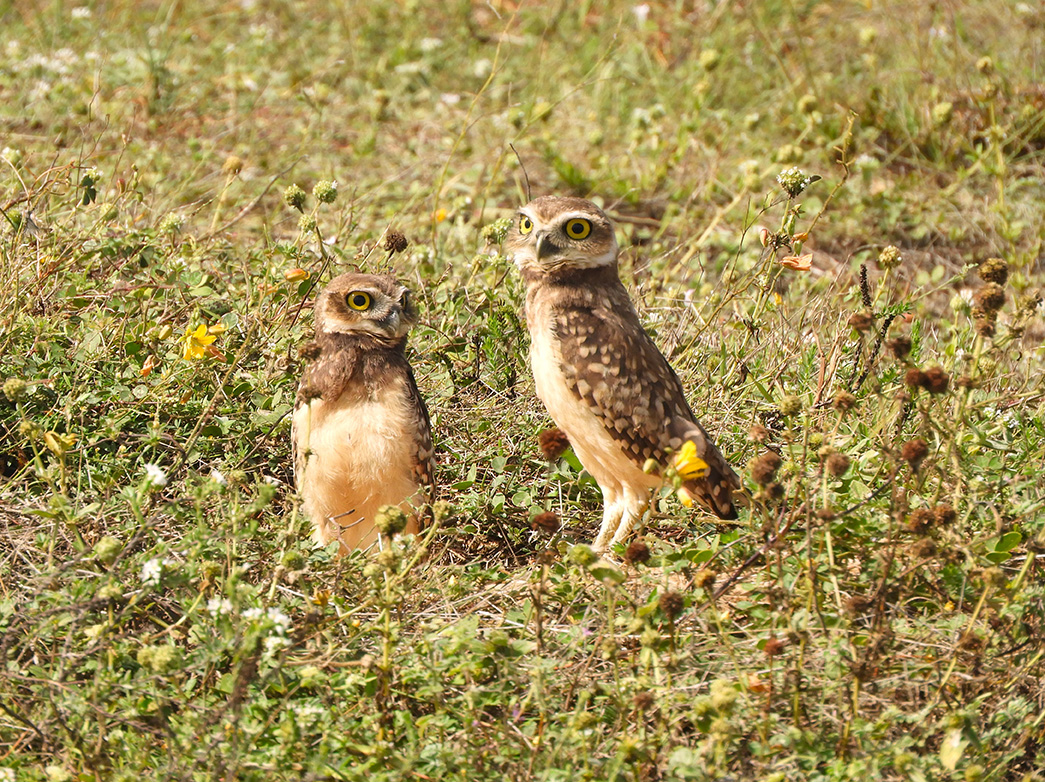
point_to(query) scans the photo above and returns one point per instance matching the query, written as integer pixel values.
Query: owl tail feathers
(707, 478)
(713, 490)
(714, 497)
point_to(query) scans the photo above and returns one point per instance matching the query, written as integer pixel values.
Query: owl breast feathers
(601, 377)
(361, 431)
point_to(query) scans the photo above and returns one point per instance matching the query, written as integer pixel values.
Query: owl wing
(611, 364)
(424, 456)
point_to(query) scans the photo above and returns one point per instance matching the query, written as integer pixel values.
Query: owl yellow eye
(578, 228)
(358, 300)
(525, 225)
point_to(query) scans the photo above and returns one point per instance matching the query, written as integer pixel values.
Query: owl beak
(546, 247)
(394, 323)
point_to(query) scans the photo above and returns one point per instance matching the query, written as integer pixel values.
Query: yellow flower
(685, 497)
(57, 443)
(440, 215)
(295, 275)
(688, 465)
(196, 341)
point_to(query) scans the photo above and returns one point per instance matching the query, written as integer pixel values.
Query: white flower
(280, 621)
(7, 775)
(450, 98)
(253, 613)
(482, 68)
(152, 572)
(274, 643)
(641, 13)
(81, 13)
(219, 606)
(155, 477)
(430, 44)
(218, 477)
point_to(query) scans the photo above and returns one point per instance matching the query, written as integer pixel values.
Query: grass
(875, 613)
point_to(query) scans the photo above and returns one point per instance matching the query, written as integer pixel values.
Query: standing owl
(361, 432)
(599, 374)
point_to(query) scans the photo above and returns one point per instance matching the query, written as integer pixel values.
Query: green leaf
(1009, 541)
(952, 748)
(604, 570)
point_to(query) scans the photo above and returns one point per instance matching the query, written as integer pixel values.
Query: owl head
(374, 305)
(553, 233)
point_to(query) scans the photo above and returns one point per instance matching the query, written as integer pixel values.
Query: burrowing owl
(362, 437)
(599, 374)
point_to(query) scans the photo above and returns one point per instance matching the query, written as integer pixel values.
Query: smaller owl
(601, 377)
(361, 432)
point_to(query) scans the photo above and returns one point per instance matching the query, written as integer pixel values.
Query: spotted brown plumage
(603, 380)
(361, 431)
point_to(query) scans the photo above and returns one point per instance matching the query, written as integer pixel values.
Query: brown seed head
(914, 452)
(637, 552)
(985, 326)
(548, 522)
(856, 605)
(837, 464)
(923, 548)
(774, 646)
(920, 521)
(861, 321)
(671, 603)
(944, 514)
(937, 380)
(989, 298)
(554, 443)
(844, 401)
(915, 378)
(759, 433)
(774, 491)
(900, 346)
(763, 469)
(395, 242)
(965, 381)
(826, 514)
(994, 270)
(644, 701)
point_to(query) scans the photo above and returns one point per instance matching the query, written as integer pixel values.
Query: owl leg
(633, 506)
(612, 510)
